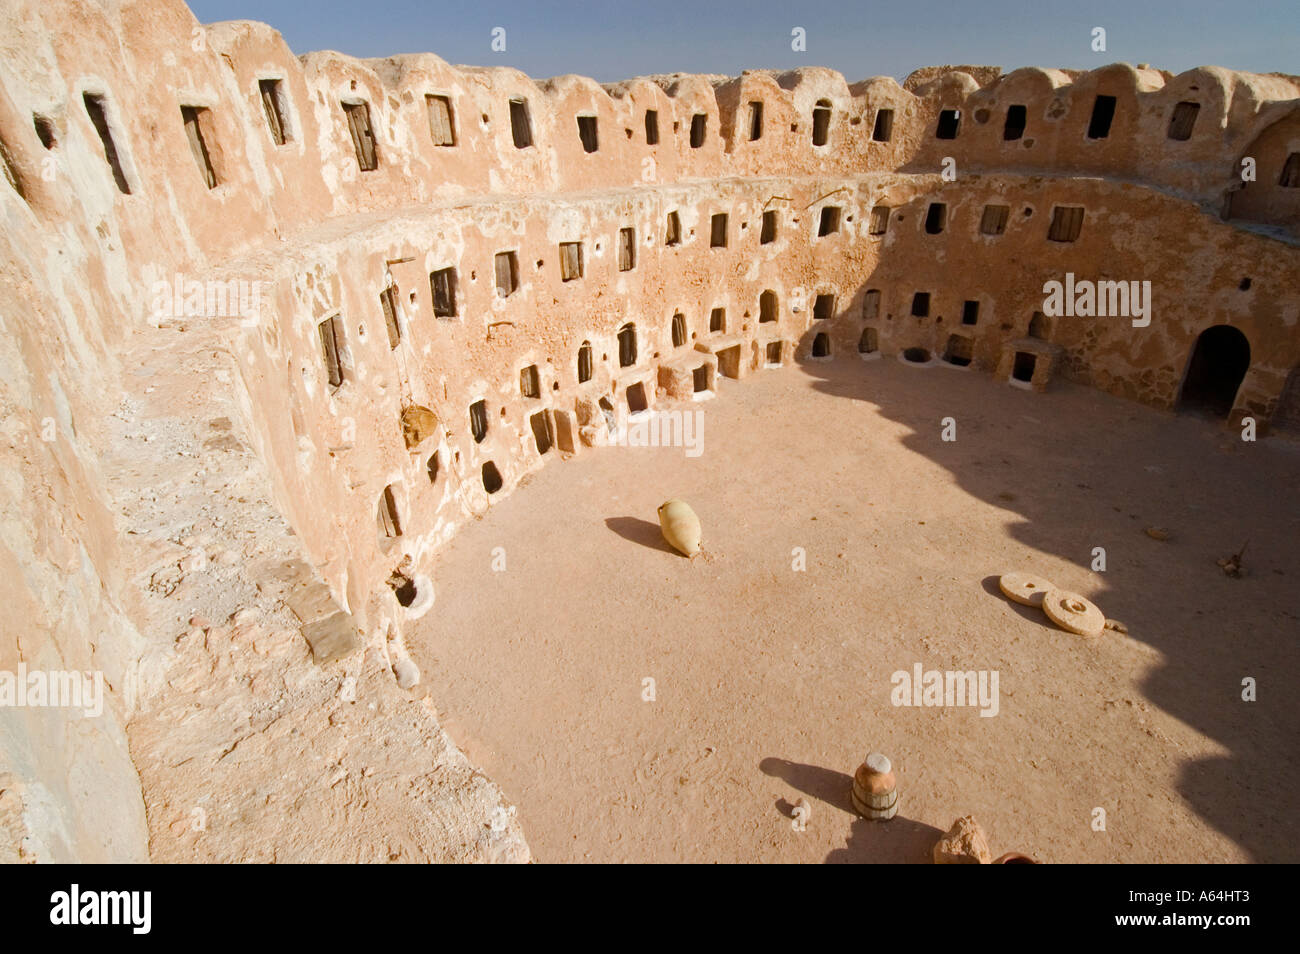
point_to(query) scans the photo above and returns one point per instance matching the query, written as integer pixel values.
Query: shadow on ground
(825, 785)
(1183, 472)
(900, 840)
(640, 531)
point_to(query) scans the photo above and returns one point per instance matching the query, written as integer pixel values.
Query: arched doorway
(1215, 371)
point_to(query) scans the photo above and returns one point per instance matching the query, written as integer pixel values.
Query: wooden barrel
(875, 790)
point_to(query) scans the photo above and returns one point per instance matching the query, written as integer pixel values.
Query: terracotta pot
(1016, 858)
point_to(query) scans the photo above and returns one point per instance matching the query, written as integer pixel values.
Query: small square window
(626, 249)
(679, 330)
(673, 234)
(1183, 121)
(443, 284)
(440, 120)
(478, 421)
(584, 362)
(936, 218)
(1067, 222)
(521, 126)
(994, 219)
(197, 123)
(530, 382)
(627, 346)
(698, 122)
(97, 110)
(829, 223)
(387, 515)
(718, 231)
(507, 273)
(570, 261)
(821, 122)
(388, 300)
(879, 220)
(1103, 113)
(543, 427)
(363, 136)
(273, 107)
(587, 133)
(1015, 124)
(949, 124)
(45, 130)
(331, 341)
(883, 131)
(636, 399)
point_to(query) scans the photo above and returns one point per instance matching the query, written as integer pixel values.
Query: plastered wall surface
(371, 451)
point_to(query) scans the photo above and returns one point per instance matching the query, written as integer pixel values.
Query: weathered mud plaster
(430, 215)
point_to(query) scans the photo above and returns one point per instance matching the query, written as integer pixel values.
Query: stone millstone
(1073, 613)
(964, 844)
(1025, 588)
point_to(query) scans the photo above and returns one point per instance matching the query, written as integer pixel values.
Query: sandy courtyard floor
(773, 683)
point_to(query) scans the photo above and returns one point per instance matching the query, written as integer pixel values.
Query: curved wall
(327, 238)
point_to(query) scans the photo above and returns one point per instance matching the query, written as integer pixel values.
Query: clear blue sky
(615, 39)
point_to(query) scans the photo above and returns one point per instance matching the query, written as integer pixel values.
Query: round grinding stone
(1026, 588)
(1073, 613)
